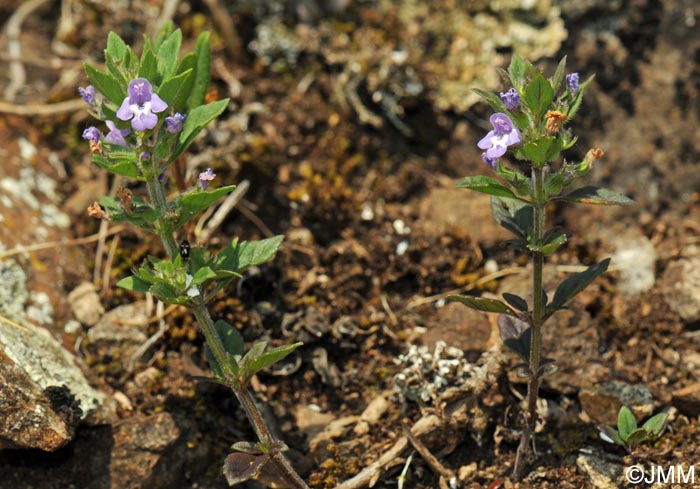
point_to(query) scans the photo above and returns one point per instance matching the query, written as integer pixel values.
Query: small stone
(636, 257)
(687, 400)
(601, 473)
(602, 402)
(372, 413)
(680, 284)
(119, 332)
(85, 304)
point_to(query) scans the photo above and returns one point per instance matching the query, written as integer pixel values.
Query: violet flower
(141, 105)
(92, 134)
(572, 81)
(87, 94)
(492, 162)
(116, 135)
(511, 99)
(205, 178)
(496, 142)
(173, 124)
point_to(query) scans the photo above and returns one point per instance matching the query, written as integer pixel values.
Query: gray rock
(119, 332)
(85, 304)
(43, 393)
(602, 402)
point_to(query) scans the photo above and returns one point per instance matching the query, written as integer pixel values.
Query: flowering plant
(530, 122)
(154, 106)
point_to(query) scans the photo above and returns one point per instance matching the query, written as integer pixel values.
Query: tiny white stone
(402, 247)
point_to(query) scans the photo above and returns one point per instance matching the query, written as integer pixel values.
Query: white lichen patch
(427, 376)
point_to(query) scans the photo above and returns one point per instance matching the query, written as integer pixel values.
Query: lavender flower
(496, 142)
(87, 94)
(205, 178)
(92, 134)
(141, 105)
(173, 124)
(492, 162)
(116, 135)
(511, 99)
(572, 81)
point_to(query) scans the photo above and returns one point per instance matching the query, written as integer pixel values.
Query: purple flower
(205, 178)
(92, 134)
(572, 82)
(116, 135)
(142, 105)
(497, 141)
(87, 94)
(173, 124)
(492, 162)
(511, 99)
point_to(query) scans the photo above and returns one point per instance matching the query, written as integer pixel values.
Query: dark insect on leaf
(185, 249)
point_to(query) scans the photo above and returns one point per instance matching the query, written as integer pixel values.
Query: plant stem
(533, 384)
(201, 313)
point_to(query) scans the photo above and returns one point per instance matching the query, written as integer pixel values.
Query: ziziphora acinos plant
(530, 121)
(154, 107)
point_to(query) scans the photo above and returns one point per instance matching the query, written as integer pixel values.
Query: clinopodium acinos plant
(530, 121)
(153, 106)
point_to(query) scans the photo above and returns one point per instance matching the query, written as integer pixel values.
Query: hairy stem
(533, 384)
(156, 193)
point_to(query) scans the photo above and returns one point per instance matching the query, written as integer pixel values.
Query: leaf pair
(628, 434)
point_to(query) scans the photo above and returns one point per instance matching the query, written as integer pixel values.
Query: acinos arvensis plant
(154, 107)
(530, 121)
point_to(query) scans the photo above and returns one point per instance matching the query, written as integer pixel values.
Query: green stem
(538, 310)
(156, 193)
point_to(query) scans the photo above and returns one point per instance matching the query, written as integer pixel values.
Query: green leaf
(116, 47)
(165, 292)
(551, 245)
(516, 301)
(596, 195)
(163, 33)
(637, 437)
(539, 151)
(240, 467)
(270, 357)
(516, 71)
(516, 335)
(168, 53)
(175, 90)
(483, 304)
(579, 97)
(105, 84)
(190, 204)
(230, 337)
(134, 283)
(655, 424)
(514, 215)
(213, 364)
(202, 73)
(574, 284)
(237, 257)
(196, 120)
(125, 166)
(202, 275)
(149, 64)
(612, 434)
(487, 185)
(492, 99)
(626, 422)
(538, 96)
(141, 214)
(559, 75)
